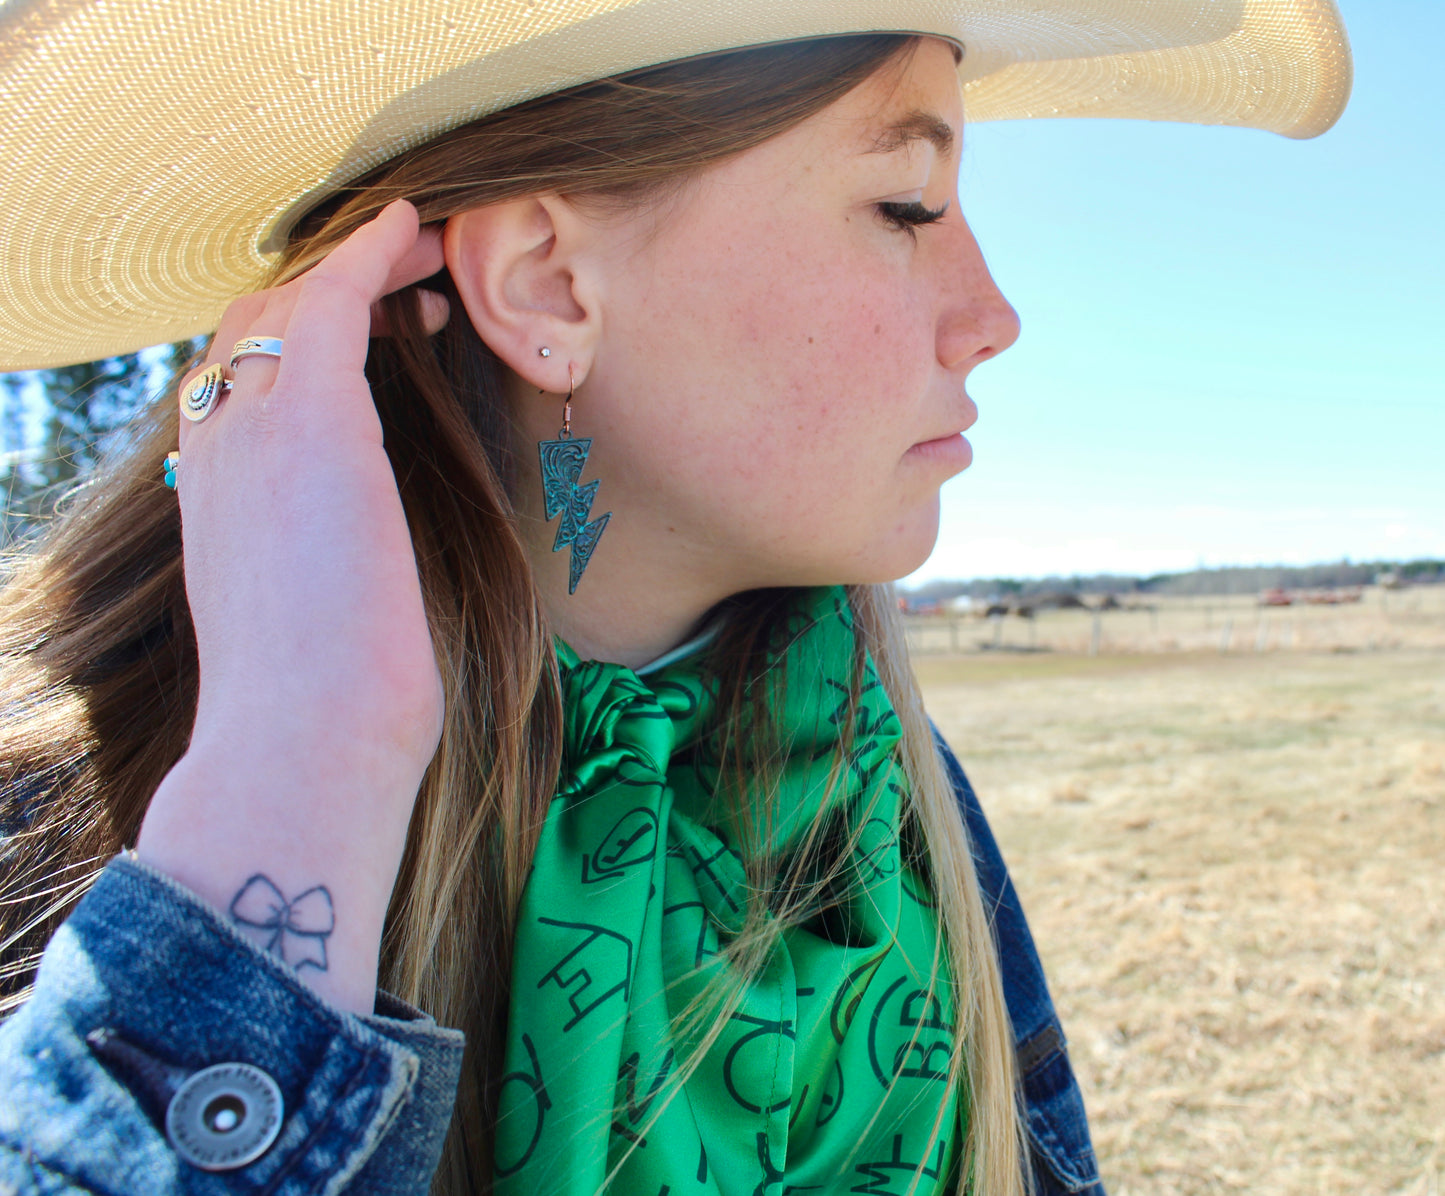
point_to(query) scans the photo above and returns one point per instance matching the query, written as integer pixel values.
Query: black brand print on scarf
(738, 1062)
(634, 1110)
(535, 1102)
(878, 1177)
(631, 841)
(598, 967)
(705, 872)
(878, 851)
(928, 1038)
(707, 943)
(850, 996)
(772, 1177)
(916, 891)
(832, 1098)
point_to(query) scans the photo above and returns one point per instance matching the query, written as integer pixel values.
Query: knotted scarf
(829, 1072)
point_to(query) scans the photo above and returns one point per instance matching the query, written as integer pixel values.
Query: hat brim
(158, 150)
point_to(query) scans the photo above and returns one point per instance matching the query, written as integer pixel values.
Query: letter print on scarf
(831, 1069)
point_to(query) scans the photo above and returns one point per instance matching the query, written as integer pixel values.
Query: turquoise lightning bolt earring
(562, 462)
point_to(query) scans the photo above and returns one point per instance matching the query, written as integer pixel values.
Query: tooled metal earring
(562, 461)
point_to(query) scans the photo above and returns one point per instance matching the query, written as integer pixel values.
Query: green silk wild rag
(830, 1071)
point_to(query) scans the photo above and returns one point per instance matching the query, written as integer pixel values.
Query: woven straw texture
(157, 150)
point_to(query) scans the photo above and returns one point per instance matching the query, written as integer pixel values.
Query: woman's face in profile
(778, 386)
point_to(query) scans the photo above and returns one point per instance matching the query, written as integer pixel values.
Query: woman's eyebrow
(917, 125)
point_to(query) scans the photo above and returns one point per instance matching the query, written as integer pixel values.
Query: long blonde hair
(97, 653)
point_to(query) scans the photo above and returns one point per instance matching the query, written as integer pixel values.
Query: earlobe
(519, 269)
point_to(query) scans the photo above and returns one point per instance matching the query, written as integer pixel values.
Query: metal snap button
(224, 1116)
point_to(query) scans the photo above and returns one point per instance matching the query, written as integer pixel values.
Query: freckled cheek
(831, 341)
(811, 460)
(812, 364)
(838, 417)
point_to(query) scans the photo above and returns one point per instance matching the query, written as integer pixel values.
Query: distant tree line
(55, 424)
(1234, 580)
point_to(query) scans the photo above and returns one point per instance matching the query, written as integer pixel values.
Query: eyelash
(909, 216)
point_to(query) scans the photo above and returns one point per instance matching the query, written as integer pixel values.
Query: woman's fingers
(422, 260)
(330, 324)
(327, 316)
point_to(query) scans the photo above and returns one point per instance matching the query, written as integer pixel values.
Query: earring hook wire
(566, 433)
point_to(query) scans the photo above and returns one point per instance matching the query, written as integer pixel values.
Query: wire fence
(1380, 618)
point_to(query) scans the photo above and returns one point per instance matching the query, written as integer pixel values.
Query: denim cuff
(148, 962)
(1061, 1151)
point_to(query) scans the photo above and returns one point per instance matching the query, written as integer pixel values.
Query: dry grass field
(1235, 868)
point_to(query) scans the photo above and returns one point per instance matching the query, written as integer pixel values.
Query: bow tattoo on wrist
(296, 930)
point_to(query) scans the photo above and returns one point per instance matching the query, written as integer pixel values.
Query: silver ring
(256, 346)
(200, 395)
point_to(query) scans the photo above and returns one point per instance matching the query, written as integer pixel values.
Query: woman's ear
(520, 269)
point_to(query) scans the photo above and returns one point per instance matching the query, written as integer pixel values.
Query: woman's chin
(904, 549)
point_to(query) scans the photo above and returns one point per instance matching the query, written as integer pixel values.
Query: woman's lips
(952, 450)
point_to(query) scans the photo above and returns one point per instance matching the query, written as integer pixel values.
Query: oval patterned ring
(200, 395)
(256, 346)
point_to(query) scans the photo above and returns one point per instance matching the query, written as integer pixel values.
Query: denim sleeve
(1062, 1152)
(145, 985)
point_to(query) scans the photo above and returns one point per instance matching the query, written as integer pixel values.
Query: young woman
(530, 660)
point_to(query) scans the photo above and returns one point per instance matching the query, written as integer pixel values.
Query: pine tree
(83, 413)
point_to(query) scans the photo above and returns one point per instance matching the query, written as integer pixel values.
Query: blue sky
(1233, 344)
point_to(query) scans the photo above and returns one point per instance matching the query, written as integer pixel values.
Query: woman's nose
(975, 322)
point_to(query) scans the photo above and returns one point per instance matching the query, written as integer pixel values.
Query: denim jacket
(1061, 1153)
(145, 989)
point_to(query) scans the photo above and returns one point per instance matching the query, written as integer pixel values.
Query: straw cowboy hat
(157, 151)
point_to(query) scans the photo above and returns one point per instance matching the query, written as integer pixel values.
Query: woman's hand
(320, 698)
(299, 567)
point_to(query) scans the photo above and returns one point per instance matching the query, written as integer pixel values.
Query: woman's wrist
(297, 842)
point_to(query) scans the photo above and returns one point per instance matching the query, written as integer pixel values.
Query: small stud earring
(544, 352)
